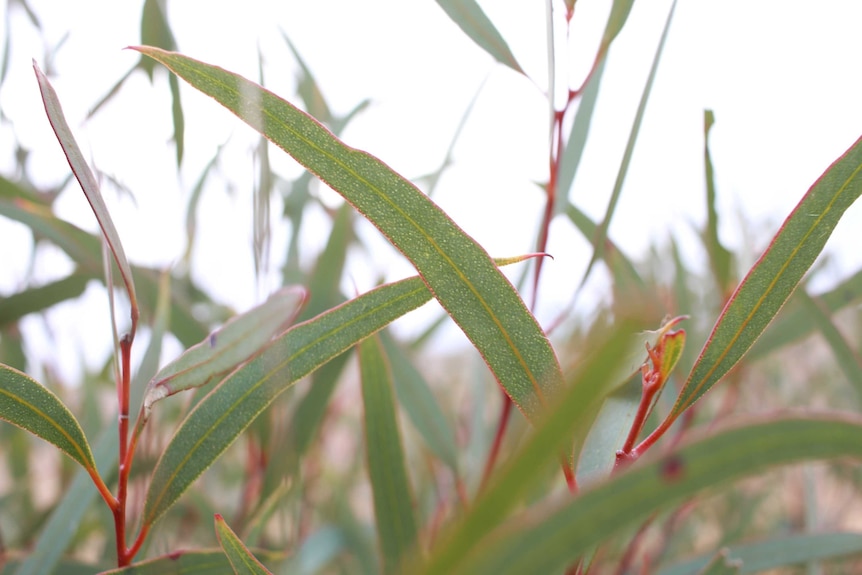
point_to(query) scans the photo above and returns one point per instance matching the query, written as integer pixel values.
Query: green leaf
(848, 359)
(82, 247)
(468, 15)
(548, 541)
(781, 552)
(608, 432)
(238, 340)
(720, 258)
(29, 405)
(577, 140)
(573, 406)
(36, 299)
(234, 403)
(457, 270)
(393, 503)
(776, 274)
(199, 561)
(241, 559)
(721, 564)
(88, 184)
(421, 406)
(58, 532)
(618, 15)
(792, 323)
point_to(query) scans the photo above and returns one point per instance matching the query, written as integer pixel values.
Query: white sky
(783, 78)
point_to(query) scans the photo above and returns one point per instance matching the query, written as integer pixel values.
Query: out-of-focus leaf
(848, 360)
(238, 340)
(82, 247)
(470, 17)
(393, 503)
(307, 88)
(457, 270)
(781, 552)
(56, 535)
(619, 14)
(32, 300)
(608, 432)
(208, 561)
(233, 404)
(12, 347)
(776, 274)
(317, 551)
(64, 567)
(30, 405)
(792, 323)
(721, 564)
(621, 267)
(421, 405)
(548, 541)
(602, 232)
(577, 140)
(88, 185)
(719, 257)
(577, 402)
(241, 559)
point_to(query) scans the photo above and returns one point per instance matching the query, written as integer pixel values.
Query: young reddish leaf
(241, 559)
(88, 184)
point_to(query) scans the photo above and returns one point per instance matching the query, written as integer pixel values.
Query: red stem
(503, 422)
(123, 480)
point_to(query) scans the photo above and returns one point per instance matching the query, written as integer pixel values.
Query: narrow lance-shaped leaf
(719, 257)
(771, 280)
(235, 342)
(456, 269)
(470, 17)
(546, 542)
(233, 404)
(602, 232)
(31, 406)
(783, 551)
(88, 184)
(393, 503)
(199, 561)
(241, 559)
(574, 405)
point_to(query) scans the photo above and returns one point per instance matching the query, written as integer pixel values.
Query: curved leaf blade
(771, 280)
(87, 181)
(234, 343)
(241, 559)
(393, 503)
(209, 561)
(780, 552)
(234, 403)
(473, 21)
(576, 404)
(456, 269)
(31, 406)
(550, 541)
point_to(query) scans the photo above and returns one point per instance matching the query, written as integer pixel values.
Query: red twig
(502, 424)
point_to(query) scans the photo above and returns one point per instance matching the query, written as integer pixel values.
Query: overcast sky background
(783, 78)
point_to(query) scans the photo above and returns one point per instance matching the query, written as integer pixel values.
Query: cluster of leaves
(590, 397)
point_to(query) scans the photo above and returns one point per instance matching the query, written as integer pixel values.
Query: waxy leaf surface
(241, 559)
(456, 269)
(29, 405)
(771, 280)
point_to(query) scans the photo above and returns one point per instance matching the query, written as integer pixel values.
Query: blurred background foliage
(295, 482)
